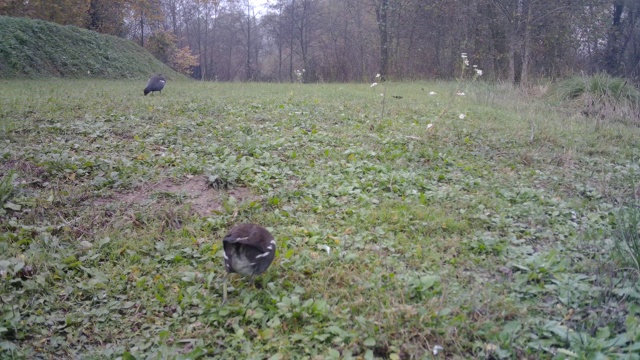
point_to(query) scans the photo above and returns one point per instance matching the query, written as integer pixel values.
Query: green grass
(36, 49)
(491, 236)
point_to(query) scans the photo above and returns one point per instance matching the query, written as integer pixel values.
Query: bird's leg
(224, 288)
(252, 280)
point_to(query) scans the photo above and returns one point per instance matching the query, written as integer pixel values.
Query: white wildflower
(490, 348)
(460, 93)
(382, 95)
(462, 116)
(464, 55)
(377, 76)
(432, 93)
(478, 72)
(429, 126)
(325, 248)
(374, 84)
(466, 62)
(437, 349)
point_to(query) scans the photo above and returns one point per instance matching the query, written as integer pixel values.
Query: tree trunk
(382, 10)
(303, 37)
(174, 18)
(526, 51)
(248, 61)
(203, 64)
(613, 54)
(142, 28)
(94, 15)
(512, 59)
(293, 23)
(205, 52)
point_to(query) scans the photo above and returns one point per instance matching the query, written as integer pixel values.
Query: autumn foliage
(163, 45)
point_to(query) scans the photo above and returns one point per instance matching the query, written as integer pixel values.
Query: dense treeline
(352, 40)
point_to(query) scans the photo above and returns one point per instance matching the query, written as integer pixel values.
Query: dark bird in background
(249, 249)
(156, 83)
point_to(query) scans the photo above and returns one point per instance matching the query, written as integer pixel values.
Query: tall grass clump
(626, 236)
(602, 97)
(7, 191)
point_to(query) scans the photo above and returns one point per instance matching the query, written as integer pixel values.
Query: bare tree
(346, 40)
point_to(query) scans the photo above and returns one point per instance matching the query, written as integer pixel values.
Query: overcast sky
(259, 5)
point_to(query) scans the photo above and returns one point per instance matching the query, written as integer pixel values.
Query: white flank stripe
(242, 239)
(270, 247)
(273, 242)
(225, 256)
(263, 254)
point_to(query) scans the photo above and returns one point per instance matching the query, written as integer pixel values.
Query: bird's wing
(249, 235)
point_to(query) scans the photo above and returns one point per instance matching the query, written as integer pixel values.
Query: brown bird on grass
(156, 83)
(249, 249)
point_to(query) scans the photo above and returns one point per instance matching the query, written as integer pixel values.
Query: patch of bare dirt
(194, 191)
(29, 172)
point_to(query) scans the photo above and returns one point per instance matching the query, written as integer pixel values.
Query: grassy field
(503, 230)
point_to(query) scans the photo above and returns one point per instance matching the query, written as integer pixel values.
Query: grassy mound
(602, 96)
(35, 48)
